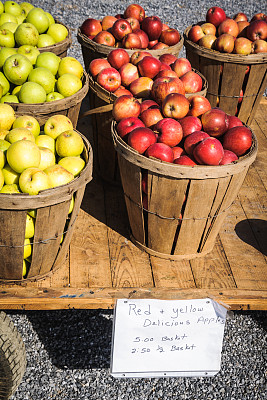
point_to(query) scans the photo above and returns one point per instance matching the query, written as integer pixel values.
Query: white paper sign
(155, 338)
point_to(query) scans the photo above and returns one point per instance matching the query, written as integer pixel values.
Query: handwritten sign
(155, 338)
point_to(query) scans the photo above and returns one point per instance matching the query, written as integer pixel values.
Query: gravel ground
(68, 352)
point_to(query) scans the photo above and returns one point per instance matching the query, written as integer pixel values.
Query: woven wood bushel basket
(227, 75)
(92, 50)
(52, 222)
(186, 205)
(69, 106)
(60, 48)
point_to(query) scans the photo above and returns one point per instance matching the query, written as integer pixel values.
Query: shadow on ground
(258, 238)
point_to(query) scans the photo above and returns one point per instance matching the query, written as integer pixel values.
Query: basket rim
(89, 43)
(64, 44)
(223, 57)
(184, 171)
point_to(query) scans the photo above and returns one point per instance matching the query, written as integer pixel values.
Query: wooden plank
(260, 162)
(59, 278)
(211, 69)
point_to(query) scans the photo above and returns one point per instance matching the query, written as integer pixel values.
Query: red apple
(225, 43)
(184, 160)
(192, 82)
(118, 57)
(141, 138)
(192, 140)
(141, 87)
(159, 46)
(105, 37)
(126, 106)
(238, 140)
(119, 16)
(143, 37)
(152, 26)
(215, 15)
(170, 36)
(181, 66)
(215, 122)
(149, 66)
(91, 27)
(121, 28)
(166, 73)
(107, 22)
(175, 105)
(152, 43)
(129, 73)
(168, 58)
(242, 46)
(233, 121)
(150, 117)
(97, 65)
(228, 26)
(208, 41)
(190, 124)
(169, 131)
(240, 17)
(165, 66)
(198, 105)
(242, 27)
(135, 11)
(131, 41)
(209, 151)
(164, 86)
(138, 56)
(259, 46)
(228, 157)
(259, 16)
(144, 182)
(134, 23)
(128, 124)
(208, 28)
(195, 33)
(257, 30)
(160, 151)
(148, 104)
(145, 202)
(164, 27)
(177, 152)
(109, 79)
(122, 91)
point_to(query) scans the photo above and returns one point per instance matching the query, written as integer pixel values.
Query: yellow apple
(7, 116)
(23, 154)
(12, 188)
(17, 134)
(33, 180)
(58, 175)
(2, 159)
(71, 205)
(2, 181)
(27, 248)
(32, 213)
(46, 141)
(10, 175)
(72, 164)
(28, 122)
(69, 144)
(3, 133)
(69, 65)
(68, 84)
(57, 124)
(58, 32)
(29, 229)
(47, 158)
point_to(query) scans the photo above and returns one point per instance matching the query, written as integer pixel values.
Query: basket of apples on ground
(142, 76)
(131, 30)
(181, 174)
(43, 174)
(232, 54)
(43, 85)
(27, 27)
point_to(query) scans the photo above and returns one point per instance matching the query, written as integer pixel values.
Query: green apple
(1, 7)
(39, 19)
(22, 155)
(13, 188)
(16, 90)
(58, 175)
(45, 40)
(27, 248)
(9, 98)
(72, 164)
(43, 77)
(46, 141)
(26, 33)
(33, 180)
(6, 38)
(69, 65)
(4, 145)
(54, 96)
(1, 179)
(19, 134)
(68, 84)
(2, 159)
(31, 52)
(32, 92)
(58, 32)
(12, 7)
(17, 68)
(48, 60)
(11, 26)
(50, 18)
(69, 144)
(7, 116)
(29, 229)
(10, 175)
(4, 83)
(21, 18)
(26, 7)
(6, 17)
(6, 52)
(47, 158)
(57, 124)
(28, 122)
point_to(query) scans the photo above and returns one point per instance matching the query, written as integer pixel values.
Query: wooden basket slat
(195, 216)
(161, 231)
(230, 91)
(212, 69)
(131, 180)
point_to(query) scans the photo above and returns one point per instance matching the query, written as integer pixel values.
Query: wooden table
(103, 264)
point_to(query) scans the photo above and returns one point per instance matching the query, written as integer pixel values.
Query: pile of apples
(131, 30)
(36, 77)
(182, 131)
(145, 76)
(231, 35)
(24, 24)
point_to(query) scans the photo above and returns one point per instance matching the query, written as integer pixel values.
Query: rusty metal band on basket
(40, 241)
(175, 218)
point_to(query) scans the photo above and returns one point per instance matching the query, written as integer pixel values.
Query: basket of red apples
(131, 30)
(181, 167)
(44, 169)
(142, 76)
(232, 54)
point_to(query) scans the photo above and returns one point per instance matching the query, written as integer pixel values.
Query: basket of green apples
(42, 84)
(24, 24)
(44, 169)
